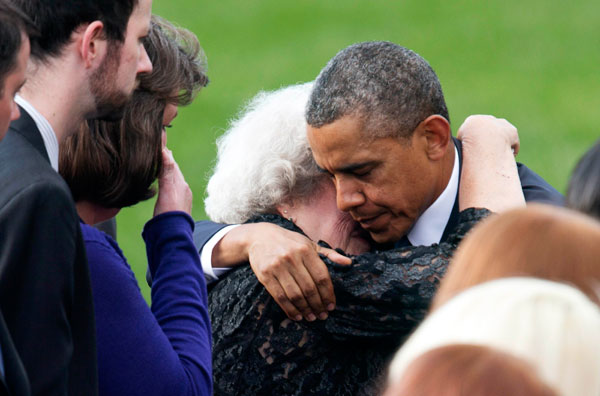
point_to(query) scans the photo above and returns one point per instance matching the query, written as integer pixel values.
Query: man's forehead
(142, 12)
(347, 127)
(144, 6)
(346, 154)
(347, 134)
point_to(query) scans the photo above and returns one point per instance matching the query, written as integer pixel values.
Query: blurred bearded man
(84, 64)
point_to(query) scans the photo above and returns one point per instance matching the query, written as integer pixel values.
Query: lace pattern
(381, 297)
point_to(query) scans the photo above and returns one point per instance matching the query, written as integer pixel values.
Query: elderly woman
(265, 173)
(164, 350)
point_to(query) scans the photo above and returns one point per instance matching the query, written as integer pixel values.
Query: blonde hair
(539, 241)
(481, 371)
(552, 326)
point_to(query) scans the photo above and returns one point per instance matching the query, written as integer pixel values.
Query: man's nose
(144, 64)
(348, 196)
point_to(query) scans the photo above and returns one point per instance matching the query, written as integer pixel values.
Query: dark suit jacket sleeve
(204, 230)
(44, 298)
(536, 189)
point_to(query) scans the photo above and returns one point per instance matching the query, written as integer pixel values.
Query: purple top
(162, 350)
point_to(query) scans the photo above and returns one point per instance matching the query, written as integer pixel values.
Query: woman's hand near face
(174, 194)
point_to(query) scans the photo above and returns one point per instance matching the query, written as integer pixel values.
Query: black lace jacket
(381, 297)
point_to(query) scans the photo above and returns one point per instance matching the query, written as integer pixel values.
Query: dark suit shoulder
(204, 230)
(536, 189)
(25, 173)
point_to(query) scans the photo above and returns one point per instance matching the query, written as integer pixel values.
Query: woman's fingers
(174, 194)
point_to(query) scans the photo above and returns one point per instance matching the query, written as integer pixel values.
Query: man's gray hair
(391, 88)
(263, 159)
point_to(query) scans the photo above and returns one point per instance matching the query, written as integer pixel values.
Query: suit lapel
(403, 242)
(26, 127)
(454, 215)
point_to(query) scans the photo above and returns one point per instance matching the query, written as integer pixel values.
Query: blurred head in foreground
(459, 369)
(551, 326)
(539, 241)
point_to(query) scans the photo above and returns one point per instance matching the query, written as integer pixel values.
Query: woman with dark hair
(165, 349)
(583, 193)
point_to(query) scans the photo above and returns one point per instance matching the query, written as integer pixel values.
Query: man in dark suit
(378, 124)
(85, 62)
(15, 29)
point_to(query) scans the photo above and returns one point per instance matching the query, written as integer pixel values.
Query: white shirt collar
(48, 135)
(430, 226)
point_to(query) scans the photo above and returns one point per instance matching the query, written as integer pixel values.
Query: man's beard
(110, 101)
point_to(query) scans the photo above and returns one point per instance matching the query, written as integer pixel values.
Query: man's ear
(436, 130)
(93, 44)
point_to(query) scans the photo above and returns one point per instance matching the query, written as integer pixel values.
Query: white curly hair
(263, 159)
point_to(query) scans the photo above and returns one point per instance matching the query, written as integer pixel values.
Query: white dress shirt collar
(430, 226)
(48, 135)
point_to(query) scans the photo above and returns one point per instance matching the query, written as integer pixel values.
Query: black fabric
(381, 297)
(14, 382)
(403, 242)
(45, 292)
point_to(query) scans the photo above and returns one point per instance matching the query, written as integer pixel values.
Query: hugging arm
(285, 262)
(489, 175)
(488, 163)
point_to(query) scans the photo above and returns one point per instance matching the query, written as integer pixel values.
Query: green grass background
(534, 62)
